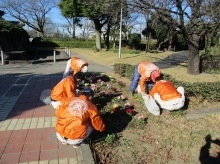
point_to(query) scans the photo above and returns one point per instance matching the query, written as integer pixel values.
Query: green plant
(110, 138)
(140, 120)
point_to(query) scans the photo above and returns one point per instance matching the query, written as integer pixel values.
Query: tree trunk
(98, 28)
(98, 40)
(74, 30)
(170, 43)
(193, 59)
(107, 37)
(159, 46)
(146, 48)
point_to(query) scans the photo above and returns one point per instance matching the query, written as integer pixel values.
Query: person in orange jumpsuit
(77, 117)
(64, 89)
(76, 65)
(144, 72)
(167, 96)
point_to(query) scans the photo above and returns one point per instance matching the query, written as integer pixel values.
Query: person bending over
(144, 72)
(76, 65)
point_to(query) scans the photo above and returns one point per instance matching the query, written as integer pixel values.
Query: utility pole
(120, 35)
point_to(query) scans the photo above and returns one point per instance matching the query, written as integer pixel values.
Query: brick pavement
(27, 133)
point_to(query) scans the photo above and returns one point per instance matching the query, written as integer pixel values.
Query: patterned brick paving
(27, 133)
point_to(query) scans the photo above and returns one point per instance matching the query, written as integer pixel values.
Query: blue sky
(57, 18)
(54, 14)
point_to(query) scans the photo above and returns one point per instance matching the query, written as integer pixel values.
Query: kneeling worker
(76, 118)
(167, 96)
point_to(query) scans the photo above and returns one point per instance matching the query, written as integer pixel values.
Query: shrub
(205, 91)
(63, 42)
(13, 37)
(210, 63)
(124, 70)
(134, 39)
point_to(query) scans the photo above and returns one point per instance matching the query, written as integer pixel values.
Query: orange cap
(154, 75)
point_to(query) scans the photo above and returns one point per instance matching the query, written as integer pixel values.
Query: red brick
(34, 138)
(3, 141)
(48, 154)
(2, 148)
(34, 146)
(17, 133)
(17, 140)
(32, 132)
(30, 156)
(13, 148)
(38, 113)
(10, 158)
(49, 145)
(5, 134)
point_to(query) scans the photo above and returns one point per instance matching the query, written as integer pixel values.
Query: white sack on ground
(45, 96)
(151, 105)
(149, 102)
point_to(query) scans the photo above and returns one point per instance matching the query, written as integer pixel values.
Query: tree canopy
(30, 12)
(192, 18)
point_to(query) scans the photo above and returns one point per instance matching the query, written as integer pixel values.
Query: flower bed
(133, 135)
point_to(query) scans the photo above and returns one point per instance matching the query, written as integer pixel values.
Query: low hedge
(204, 90)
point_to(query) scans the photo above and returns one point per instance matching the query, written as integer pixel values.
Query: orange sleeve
(142, 83)
(96, 120)
(70, 87)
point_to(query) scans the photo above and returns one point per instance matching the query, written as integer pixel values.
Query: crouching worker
(167, 96)
(76, 118)
(64, 89)
(76, 65)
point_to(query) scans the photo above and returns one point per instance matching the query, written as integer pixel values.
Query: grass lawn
(179, 72)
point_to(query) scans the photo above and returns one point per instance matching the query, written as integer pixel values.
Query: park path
(27, 126)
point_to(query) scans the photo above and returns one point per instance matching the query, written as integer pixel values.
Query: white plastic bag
(45, 97)
(151, 105)
(149, 102)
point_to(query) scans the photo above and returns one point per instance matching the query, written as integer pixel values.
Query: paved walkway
(27, 133)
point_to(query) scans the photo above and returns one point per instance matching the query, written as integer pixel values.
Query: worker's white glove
(56, 104)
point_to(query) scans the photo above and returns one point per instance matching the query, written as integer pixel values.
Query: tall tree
(148, 32)
(192, 17)
(71, 10)
(100, 12)
(33, 13)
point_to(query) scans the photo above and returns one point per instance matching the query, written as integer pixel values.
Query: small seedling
(110, 138)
